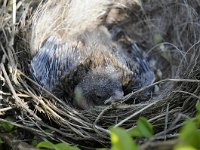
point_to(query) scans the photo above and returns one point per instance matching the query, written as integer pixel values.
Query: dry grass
(169, 30)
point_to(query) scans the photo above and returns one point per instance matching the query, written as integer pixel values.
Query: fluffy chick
(75, 54)
(92, 70)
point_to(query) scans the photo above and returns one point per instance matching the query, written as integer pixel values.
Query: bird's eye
(98, 96)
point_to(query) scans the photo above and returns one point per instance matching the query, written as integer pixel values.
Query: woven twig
(177, 24)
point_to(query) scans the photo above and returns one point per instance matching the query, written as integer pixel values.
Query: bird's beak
(118, 95)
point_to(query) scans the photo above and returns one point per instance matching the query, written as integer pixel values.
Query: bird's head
(97, 86)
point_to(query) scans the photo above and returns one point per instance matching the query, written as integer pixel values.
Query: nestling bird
(89, 66)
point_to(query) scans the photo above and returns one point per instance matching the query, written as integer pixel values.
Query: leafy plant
(121, 139)
(143, 129)
(189, 134)
(184, 147)
(1, 142)
(7, 126)
(59, 146)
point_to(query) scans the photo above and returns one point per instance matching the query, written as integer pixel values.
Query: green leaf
(59, 146)
(1, 141)
(198, 112)
(184, 147)
(121, 140)
(135, 132)
(65, 146)
(45, 144)
(198, 107)
(144, 127)
(35, 141)
(7, 126)
(190, 135)
(198, 119)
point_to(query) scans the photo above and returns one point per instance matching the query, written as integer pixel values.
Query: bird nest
(170, 33)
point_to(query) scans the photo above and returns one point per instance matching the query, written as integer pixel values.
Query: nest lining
(177, 24)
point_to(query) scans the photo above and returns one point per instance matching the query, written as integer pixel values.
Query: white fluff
(66, 18)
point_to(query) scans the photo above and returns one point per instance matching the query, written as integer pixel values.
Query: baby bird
(91, 66)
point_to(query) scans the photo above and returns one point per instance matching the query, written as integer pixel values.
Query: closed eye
(98, 96)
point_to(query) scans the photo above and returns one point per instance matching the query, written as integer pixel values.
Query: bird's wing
(54, 60)
(133, 56)
(143, 72)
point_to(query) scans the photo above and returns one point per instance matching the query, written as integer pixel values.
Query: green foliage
(198, 108)
(45, 144)
(143, 129)
(7, 126)
(189, 134)
(1, 142)
(184, 147)
(123, 140)
(198, 113)
(120, 140)
(59, 146)
(34, 141)
(64, 146)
